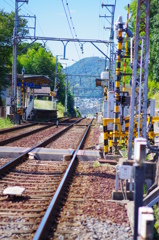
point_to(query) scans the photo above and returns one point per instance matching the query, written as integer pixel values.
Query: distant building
(34, 86)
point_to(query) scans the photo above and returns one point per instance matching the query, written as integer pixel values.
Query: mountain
(82, 75)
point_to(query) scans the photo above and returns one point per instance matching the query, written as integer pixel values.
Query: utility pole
(110, 19)
(14, 66)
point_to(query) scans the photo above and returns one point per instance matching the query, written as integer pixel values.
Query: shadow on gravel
(101, 175)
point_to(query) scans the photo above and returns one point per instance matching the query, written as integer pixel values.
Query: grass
(44, 104)
(5, 123)
(60, 110)
(124, 151)
(156, 97)
(96, 164)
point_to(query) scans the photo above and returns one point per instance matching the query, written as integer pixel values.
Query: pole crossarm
(62, 39)
(81, 75)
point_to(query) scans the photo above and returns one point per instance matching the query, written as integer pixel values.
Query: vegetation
(156, 226)
(60, 110)
(42, 104)
(86, 86)
(6, 33)
(153, 80)
(38, 60)
(35, 59)
(5, 123)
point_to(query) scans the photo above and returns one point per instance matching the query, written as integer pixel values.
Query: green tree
(39, 61)
(154, 43)
(6, 41)
(154, 36)
(6, 32)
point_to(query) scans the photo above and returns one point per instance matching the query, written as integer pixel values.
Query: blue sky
(52, 22)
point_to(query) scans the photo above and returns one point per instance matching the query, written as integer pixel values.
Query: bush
(5, 123)
(153, 87)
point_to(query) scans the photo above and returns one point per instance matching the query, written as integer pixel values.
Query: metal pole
(66, 95)
(56, 73)
(138, 195)
(35, 26)
(56, 79)
(146, 59)
(142, 45)
(132, 103)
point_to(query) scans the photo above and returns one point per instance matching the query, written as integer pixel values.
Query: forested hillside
(86, 71)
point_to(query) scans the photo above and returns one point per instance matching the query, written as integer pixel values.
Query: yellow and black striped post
(22, 91)
(117, 85)
(151, 134)
(105, 131)
(126, 49)
(110, 145)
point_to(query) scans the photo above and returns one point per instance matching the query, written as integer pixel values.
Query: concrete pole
(15, 56)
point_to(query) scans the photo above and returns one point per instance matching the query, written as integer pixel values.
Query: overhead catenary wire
(81, 46)
(9, 4)
(72, 27)
(71, 18)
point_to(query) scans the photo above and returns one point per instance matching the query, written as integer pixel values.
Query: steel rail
(51, 210)
(5, 130)
(19, 159)
(15, 138)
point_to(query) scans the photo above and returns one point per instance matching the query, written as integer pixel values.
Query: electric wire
(8, 4)
(75, 32)
(71, 19)
(71, 29)
(27, 13)
(67, 18)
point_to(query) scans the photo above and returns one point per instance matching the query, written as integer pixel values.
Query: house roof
(42, 91)
(36, 79)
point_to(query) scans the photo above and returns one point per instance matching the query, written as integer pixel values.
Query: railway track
(62, 199)
(21, 215)
(88, 212)
(10, 135)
